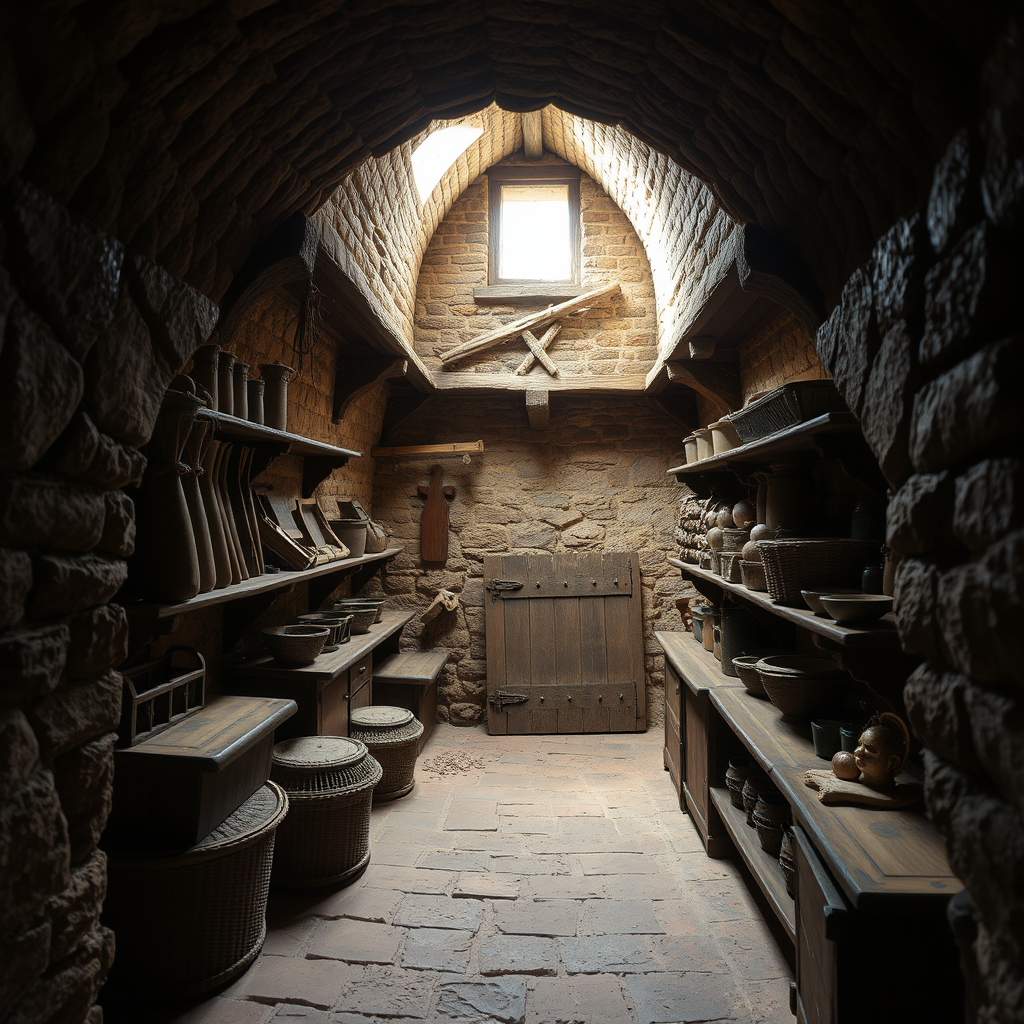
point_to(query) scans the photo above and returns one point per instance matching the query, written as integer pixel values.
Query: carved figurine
(871, 777)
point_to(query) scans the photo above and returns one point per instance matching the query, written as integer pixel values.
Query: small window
(534, 225)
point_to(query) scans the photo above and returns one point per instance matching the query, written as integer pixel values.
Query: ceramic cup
(848, 737)
(826, 733)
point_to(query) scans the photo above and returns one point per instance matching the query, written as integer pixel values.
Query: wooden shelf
(801, 439)
(881, 635)
(233, 428)
(763, 866)
(256, 585)
(327, 666)
(702, 673)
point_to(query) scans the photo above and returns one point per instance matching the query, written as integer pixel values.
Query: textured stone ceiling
(191, 128)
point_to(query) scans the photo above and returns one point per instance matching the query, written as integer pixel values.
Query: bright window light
(535, 233)
(437, 152)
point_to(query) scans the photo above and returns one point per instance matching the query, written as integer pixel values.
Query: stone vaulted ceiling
(191, 128)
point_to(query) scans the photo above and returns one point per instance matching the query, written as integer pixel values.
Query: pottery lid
(380, 717)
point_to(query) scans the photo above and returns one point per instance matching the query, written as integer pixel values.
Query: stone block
(968, 295)
(917, 519)
(357, 942)
(594, 998)
(439, 912)
(74, 912)
(547, 918)
(84, 778)
(584, 535)
(41, 510)
(69, 268)
(995, 717)
(955, 199)
(937, 708)
(119, 525)
(532, 535)
(387, 992)
(32, 661)
(286, 979)
(888, 402)
(65, 584)
(75, 713)
(99, 640)
(969, 408)
(19, 752)
(1002, 176)
(848, 340)
(437, 949)
(685, 996)
(42, 388)
(83, 452)
(15, 583)
(25, 957)
(915, 596)
(989, 502)
(496, 999)
(33, 851)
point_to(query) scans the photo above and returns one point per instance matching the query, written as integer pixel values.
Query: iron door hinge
(500, 699)
(495, 587)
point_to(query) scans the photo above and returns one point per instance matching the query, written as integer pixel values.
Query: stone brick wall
(593, 480)
(926, 345)
(780, 352)
(616, 338)
(91, 336)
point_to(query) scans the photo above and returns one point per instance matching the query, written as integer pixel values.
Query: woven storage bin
(754, 785)
(770, 812)
(752, 575)
(802, 687)
(730, 562)
(326, 839)
(739, 770)
(794, 565)
(392, 736)
(786, 407)
(733, 540)
(191, 921)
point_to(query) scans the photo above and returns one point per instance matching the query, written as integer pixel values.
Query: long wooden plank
(518, 668)
(536, 348)
(568, 656)
(471, 382)
(545, 343)
(455, 448)
(528, 323)
(494, 632)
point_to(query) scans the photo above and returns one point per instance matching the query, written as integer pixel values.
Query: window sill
(511, 294)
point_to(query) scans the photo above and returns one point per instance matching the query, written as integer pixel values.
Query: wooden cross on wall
(538, 351)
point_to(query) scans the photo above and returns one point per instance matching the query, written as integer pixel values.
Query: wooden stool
(409, 680)
(193, 920)
(326, 837)
(392, 735)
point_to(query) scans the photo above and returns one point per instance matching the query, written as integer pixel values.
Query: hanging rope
(308, 332)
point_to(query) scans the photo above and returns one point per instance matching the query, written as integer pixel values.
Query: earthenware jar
(739, 770)
(165, 565)
(204, 371)
(226, 383)
(755, 784)
(275, 397)
(790, 500)
(770, 812)
(787, 858)
(255, 386)
(240, 374)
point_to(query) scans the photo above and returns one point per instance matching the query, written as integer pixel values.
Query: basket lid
(380, 717)
(257, 813)
(316, 752)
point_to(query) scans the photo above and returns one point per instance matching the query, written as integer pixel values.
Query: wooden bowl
(362, 618)
(802, 687)
(812, 598)
(295, 645)
(856, 608)
(746, 670)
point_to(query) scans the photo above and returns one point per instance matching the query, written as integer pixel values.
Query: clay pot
(750, 552)
(716, 538)
(226, 382)
(166, 565)
(755, 784)
(787, 858)
(254, 387)
(723, 520)
(275, 397)
(204, 371)
(195, 448)
(790, 500)
(744, 515)
(770, 813)
(240, 374)
(739, 770)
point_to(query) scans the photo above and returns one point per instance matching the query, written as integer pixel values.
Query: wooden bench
(409, 680)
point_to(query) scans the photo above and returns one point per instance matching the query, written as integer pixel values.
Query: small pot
(723, 436)
(254, 389)
(226, 383)
(825, 732)
(295, 645)
(705, 448)
(739, 770)
(755, 784)
(339, 625)
(690, 447)
(849, 737)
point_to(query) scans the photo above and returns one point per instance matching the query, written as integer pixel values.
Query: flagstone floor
(556, 884)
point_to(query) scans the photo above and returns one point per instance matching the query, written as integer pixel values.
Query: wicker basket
(326, 839)
(786, 407)
(739, 770)
(733, 540)
(191, 921)
(802, 687)
(770, 813)
(730, 562)
(752, 575)
(794, 565)
(755, 784)
(392, 735)
(787, 859)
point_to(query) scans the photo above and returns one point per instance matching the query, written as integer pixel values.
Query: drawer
(360, 674)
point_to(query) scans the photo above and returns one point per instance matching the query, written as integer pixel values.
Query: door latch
(499, 700)
(495, 587)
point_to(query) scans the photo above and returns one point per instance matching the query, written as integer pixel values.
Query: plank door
(564, 647)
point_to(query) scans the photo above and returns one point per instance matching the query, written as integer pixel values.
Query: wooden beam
(717, 381)
(534, 320)
(537, 408)
(703, 346)
(586, 384)
(403, 400)
(358, 373)
(537, 351)
(456, 448)
(533, 135)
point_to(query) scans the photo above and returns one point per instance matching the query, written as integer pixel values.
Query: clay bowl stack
(802, 687)
(746, 670)
(856, 609)
(295, 645)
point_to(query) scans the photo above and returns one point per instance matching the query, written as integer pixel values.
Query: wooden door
(564, 643)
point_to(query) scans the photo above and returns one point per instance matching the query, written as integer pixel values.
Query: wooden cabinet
(673, 754)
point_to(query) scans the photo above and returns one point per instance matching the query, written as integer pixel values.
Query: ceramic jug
(240, 374)
(204, 372)
(255, 386)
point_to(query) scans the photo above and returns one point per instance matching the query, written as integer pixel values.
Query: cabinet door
(334, 707)
(696, 714)
(820, 914)
(673, 744)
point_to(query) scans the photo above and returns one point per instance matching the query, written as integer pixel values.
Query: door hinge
(501, 698)
(495, 587)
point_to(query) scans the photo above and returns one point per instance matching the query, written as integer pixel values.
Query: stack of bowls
(801, 686)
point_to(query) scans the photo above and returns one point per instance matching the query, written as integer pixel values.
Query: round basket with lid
(197, 917)
(326, 838)
(392, 736)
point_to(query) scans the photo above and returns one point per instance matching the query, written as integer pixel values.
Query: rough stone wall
(779, 352)
(593, 480)
(926, 345)
(616, 338)
(90, 338)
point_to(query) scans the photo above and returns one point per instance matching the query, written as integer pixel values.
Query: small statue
(868, 776)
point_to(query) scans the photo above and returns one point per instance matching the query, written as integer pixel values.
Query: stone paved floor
(559, 884)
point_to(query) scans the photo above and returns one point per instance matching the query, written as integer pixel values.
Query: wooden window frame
(535, 174)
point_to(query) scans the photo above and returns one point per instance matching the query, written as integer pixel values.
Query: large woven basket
(190, 921)
(752, 575)
(785, 407)
(794, 565)
(730, 564)
(769, 815)
(392, 735)
(326, 839)
(802, 687)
